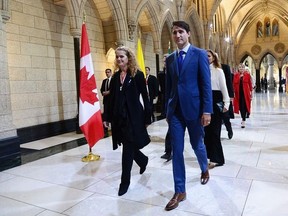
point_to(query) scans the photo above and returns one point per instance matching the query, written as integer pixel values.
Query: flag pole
(92, 128)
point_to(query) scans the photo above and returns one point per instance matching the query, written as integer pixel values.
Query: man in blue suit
(188, 105)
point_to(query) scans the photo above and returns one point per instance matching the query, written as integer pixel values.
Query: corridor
(253, 182)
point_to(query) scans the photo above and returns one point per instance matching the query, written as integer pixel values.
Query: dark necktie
(107, 85)
(180, 60)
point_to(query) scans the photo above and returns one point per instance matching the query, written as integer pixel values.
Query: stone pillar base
(10, 154)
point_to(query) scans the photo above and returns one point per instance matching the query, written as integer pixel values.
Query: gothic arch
(75, 11)
(166, 22)
(210, 16)
(197, 31)
(244, 56)
(119, 21)
(283, 57)
(166, 18)
(275, 28)
(259, 29)
(154, 22)
(267, 27)
(265, 53)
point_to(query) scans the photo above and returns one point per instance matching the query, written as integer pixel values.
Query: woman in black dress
(129, 114)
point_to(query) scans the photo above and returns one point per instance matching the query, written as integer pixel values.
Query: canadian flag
(90, 119)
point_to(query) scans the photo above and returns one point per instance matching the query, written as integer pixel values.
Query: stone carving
(256, 49)
(279, 48)
(4, 11)
(131, 29)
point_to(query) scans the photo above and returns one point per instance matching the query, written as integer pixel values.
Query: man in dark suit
(230, 114)
(161, 77)
(153, 89)
(105, 91)
(188, 104)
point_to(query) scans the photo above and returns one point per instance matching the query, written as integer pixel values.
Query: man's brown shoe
(204, 177)
(174, 202)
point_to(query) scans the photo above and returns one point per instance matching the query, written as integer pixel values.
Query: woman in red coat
(243, 92)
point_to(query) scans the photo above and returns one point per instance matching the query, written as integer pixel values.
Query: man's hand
(205, 119)
(106, 93)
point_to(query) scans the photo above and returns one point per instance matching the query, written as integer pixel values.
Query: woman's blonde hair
(132, 62)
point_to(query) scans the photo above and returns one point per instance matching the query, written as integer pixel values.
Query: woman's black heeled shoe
(142, 169)
(123, 188)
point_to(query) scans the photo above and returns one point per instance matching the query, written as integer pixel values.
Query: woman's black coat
(139, 116)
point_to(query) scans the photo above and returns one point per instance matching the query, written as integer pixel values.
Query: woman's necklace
(122, 78)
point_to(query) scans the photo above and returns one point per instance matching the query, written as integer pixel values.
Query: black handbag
(220, 105)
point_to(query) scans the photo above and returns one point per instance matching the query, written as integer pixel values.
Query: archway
(269, 70)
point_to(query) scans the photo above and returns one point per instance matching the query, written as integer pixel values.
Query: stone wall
(41, 61)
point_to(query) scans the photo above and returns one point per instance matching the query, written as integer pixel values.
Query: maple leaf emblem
(87, 87)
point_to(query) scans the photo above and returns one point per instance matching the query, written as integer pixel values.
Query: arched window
(275, 28)
(267, 27)
(259, 32)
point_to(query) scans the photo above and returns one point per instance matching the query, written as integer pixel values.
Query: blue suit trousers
(177, 127)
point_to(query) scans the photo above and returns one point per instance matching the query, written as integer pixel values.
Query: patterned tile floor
(253, 182)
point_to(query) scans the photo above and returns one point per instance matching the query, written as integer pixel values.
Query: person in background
(105, 91)
(221, 102)
(226, 116)
(129, 118)
(161, 80)
(153, 89)
(243, 93)
(265, 83)
(188, 105)
(168, 148)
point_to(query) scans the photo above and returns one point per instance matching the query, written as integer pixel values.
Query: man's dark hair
(148, 68)
(181, 24)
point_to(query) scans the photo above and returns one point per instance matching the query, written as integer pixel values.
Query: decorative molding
(256, 49)
(76, 33)
(4, 10)
(131, 28)
(279, 47)
(119, 43)
(5, 15)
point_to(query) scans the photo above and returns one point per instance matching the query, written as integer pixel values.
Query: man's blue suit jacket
(191, 86)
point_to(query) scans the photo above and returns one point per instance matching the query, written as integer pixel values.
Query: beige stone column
(7, 129)
(10, 154)
(270, 72)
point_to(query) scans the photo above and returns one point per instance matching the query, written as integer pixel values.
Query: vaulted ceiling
(238, 16)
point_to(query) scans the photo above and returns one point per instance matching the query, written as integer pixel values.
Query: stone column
(280, 80)
(76, 33)
(9, 142)
(258, 84)
(270, 72)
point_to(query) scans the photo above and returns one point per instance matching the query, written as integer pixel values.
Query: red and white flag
(90, 119)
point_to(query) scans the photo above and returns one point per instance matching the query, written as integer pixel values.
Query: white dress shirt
(218, 82)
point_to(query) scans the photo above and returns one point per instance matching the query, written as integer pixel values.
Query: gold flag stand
(90, 157)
